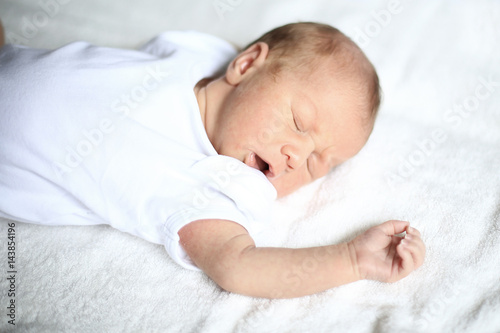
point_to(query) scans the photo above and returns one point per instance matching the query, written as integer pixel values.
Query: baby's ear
(247, 62)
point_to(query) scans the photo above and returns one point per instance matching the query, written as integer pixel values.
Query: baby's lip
(255, 161)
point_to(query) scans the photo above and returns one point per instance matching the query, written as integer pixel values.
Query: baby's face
(294, 129)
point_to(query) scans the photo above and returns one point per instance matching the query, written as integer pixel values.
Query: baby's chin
(285, 184)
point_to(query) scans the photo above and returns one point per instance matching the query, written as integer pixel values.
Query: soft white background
(432, 57)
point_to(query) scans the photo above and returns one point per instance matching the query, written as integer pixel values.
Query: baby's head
(295, 103)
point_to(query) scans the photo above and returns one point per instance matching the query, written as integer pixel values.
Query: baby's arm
(226, 253)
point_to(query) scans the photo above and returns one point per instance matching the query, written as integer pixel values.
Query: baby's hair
(305, 45)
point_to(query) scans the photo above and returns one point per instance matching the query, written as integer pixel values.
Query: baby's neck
(211, 95)
(200, 91)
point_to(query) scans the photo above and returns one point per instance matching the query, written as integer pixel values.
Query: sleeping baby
(187, 143)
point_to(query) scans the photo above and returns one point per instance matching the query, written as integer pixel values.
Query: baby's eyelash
(295, 123)
(309, 168)
(296, 126)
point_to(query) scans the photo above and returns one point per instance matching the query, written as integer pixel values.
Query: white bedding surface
(433, 159)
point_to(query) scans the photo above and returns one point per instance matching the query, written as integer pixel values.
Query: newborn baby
(186, 143)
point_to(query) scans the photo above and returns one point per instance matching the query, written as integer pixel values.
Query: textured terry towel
(433, 159)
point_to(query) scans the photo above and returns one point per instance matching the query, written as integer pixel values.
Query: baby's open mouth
(262, 165)
(255, 161)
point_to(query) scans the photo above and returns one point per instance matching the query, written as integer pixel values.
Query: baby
(160, 144)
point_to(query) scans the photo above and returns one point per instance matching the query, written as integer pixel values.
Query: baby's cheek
(319, 166)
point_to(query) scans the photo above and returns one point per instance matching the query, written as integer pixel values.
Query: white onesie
(93, 135)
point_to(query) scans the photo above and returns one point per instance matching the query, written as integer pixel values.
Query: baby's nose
(297, 154)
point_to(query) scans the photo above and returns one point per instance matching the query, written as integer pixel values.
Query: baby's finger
(393, 227)
(416, 248)
(415, 237)
(407, 263)
(413, 231)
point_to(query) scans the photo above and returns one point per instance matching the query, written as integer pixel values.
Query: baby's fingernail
(410, 229)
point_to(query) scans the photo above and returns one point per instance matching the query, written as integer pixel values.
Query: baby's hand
(380, 255)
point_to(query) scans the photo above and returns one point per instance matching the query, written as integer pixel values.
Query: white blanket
(433, 159)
